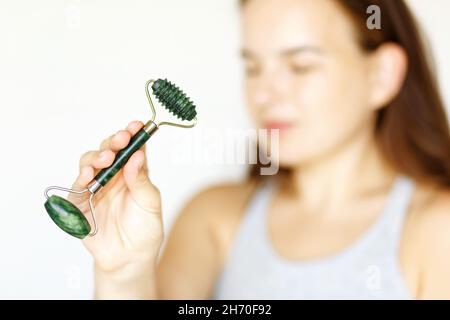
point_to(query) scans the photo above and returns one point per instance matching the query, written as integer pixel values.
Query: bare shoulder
(432, 214)
(221, 207)
(221, 200)
(430, 223)
(215, 210)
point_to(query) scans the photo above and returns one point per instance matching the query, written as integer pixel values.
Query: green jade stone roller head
(65, 214)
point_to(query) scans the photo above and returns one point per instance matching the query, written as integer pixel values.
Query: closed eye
(251, 68)
(302, 68)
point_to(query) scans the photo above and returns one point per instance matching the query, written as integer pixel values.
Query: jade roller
(65, 214)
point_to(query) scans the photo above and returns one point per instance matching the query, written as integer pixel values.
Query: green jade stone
(67, 216)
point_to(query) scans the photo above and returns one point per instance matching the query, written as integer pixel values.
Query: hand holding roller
(65, 214)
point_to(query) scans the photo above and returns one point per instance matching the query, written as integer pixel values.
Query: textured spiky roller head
(173, 99)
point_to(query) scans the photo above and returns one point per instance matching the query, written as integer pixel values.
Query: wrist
(135, 280)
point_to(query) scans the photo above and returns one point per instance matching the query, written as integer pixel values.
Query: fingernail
(102, 155)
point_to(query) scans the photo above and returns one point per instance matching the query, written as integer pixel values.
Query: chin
(292, 153)
(290, 158)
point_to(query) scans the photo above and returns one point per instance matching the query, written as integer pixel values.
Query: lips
(281, 125)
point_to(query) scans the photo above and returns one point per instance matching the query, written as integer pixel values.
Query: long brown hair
(412, 130)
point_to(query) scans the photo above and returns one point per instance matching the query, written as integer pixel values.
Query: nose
(268, 90)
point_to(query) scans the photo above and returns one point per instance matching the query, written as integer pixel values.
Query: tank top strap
(396, 209)
(260, 200)
(251, 229)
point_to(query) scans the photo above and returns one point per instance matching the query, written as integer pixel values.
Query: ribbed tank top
(366, 269)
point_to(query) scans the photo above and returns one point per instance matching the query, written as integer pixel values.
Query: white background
(72, 72)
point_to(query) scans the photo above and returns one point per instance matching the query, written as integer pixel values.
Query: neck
(330, 182)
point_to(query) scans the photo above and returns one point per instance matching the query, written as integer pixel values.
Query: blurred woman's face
(306, 75)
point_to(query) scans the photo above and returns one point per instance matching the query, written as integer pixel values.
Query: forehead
(273, 25)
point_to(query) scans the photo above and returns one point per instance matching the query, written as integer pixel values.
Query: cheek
(331, 100)
(331, 108)
(253, 103)
(255, 116)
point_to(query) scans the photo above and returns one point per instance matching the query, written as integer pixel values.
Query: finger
(134, 126)
(97, 159)
(142, 189)
(121, 138)
(142, 163)
(134, 165)
(117, 141)
(87, 158)
(84, 177)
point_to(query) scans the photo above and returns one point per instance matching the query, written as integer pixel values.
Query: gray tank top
(367, 269)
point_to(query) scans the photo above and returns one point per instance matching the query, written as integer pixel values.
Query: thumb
(144, 193)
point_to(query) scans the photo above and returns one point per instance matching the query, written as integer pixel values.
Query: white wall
(72, 72)
(433, 16)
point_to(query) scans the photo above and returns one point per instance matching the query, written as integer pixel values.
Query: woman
(360, 207)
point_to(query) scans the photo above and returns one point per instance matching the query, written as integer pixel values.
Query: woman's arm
(195, 248)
